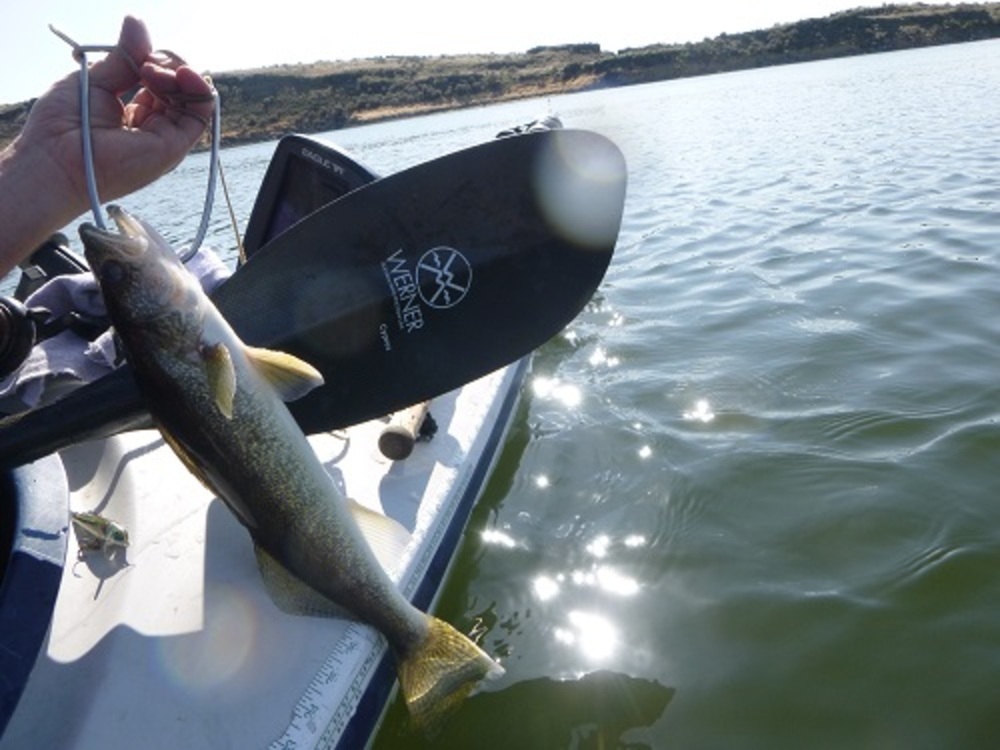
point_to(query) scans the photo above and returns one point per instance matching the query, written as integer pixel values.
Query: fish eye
(112, 272)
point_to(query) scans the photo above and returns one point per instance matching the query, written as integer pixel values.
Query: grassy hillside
(264, 104)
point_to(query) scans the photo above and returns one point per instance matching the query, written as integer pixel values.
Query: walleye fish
(219, 404)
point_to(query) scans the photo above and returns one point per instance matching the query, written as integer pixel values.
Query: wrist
(35, 200)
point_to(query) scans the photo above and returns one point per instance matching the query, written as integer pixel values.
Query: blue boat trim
(35, 499)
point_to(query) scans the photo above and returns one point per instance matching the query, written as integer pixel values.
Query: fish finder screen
(304, 189)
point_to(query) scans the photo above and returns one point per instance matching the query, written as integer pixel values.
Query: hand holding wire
(169, 88)
(140, 115)
(136, 137)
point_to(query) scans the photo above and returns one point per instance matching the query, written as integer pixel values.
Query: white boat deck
(175, 644)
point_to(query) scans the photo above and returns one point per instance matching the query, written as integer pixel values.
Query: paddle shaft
(105, 407)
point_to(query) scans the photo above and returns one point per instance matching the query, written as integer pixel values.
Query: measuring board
(322, 713)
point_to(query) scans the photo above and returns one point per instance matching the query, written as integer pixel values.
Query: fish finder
(304, 175)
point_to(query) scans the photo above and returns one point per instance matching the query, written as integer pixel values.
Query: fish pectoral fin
(221, 376)
(292, 377)
(386, 536)
(291, 594)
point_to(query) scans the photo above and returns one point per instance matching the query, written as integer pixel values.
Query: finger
(119, 71)
(167, 59)
(180, 126)
(180, 83)
(142, 106)
(197, 92)
(177, 92)
(193, 84)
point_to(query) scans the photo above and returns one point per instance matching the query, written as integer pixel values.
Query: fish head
(140, 275)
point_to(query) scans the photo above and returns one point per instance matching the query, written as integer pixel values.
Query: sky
(222, 35)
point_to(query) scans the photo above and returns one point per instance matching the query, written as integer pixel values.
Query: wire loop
(80, 52)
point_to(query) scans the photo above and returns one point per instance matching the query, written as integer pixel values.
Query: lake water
(749, 499)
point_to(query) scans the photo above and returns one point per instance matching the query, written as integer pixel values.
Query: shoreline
(264, 104)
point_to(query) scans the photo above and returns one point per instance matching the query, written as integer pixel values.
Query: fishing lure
(95, 532)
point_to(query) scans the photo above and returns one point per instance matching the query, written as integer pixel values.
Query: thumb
(119, 71)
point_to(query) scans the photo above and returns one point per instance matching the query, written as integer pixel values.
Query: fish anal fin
(386, 536)
(387, 539)
(221, 376)
(292, 377)
(292, 595)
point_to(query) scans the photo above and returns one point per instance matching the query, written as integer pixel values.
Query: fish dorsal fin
(387, 539)
(221, 376)
(292, 377)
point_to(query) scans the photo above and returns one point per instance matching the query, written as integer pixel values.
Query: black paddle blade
(405, 288)
(423, 281)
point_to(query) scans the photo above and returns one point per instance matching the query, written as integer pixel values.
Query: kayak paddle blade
(423, 281)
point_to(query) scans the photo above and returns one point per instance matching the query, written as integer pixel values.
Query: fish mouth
(128, 225)
(130, 241)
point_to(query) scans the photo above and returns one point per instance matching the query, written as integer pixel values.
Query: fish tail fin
(438, 675)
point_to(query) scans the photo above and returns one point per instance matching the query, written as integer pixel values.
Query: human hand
(42, 178)
(134, 141)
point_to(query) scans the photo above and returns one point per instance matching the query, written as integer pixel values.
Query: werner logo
(441, 279)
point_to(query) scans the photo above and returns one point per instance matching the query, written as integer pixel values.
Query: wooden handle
(397, 438)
